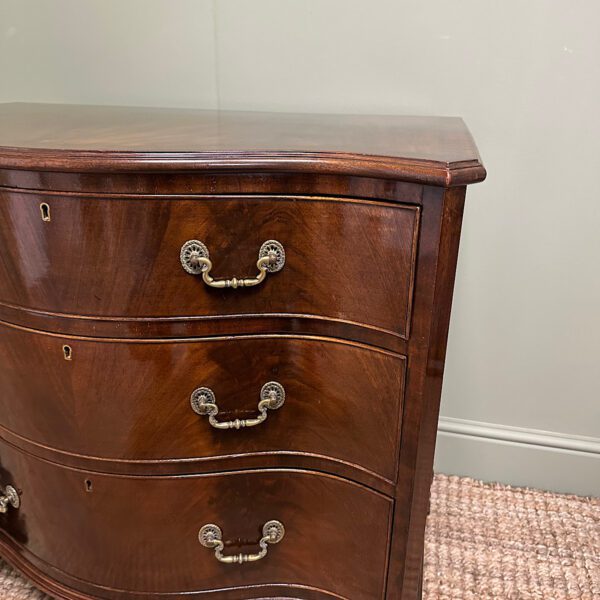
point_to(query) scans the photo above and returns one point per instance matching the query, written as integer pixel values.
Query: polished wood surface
(115, 472)
(185, 183)
(437, 150)
(152, 525)
(440, 235)
(346, 260)
(343, 401)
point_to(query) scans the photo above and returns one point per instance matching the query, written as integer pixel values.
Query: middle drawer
(152, 400)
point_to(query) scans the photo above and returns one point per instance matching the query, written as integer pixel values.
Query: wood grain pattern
(152, 524)
(441, 225)
(193, 183)
(115, 257)
(117, 473)
(129, 401)
(194, 327)
(435, 150)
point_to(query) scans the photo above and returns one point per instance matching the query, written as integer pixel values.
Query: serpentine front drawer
(222, 341)
(138, 257)
(315, 399)
(319, 530)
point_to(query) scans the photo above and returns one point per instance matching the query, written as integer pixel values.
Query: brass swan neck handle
(203, 401)
(10, 497)
(195, 260)
(211, 536)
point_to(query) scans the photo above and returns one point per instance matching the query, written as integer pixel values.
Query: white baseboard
(519, 456)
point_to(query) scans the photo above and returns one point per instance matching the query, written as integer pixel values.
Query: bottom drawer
(118, 537)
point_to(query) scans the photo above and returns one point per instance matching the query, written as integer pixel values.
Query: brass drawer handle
(203, 401)
(211, 536)
(10, 497)
(195, 259)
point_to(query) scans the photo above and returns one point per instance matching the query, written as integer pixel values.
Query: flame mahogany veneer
(105, 339)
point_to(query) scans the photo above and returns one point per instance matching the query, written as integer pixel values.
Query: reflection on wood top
(431, 150)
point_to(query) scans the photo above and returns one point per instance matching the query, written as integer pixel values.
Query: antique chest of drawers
(222, 339)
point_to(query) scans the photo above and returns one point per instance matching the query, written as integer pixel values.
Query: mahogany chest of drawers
(222, 339)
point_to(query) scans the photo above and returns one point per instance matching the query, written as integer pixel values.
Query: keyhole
(45, 210)
(67, 352)
(88, 485)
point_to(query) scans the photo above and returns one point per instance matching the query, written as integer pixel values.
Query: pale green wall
(525, 336)
(131, 52)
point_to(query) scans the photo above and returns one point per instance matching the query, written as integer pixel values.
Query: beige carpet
(487, 542)
(493, 541)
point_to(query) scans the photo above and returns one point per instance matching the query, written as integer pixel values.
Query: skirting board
(519, 456)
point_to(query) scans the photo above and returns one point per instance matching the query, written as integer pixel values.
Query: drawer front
(132, 400)
(345, 260)
(141, 534)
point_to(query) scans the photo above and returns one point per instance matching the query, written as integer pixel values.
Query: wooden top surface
(433, 150)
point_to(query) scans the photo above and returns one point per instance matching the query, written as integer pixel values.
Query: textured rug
(497, 542)
(486, 542)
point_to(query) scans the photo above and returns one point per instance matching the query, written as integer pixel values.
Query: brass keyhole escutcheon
(45, 212)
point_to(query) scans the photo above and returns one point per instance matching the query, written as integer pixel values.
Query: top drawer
(345, 260)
